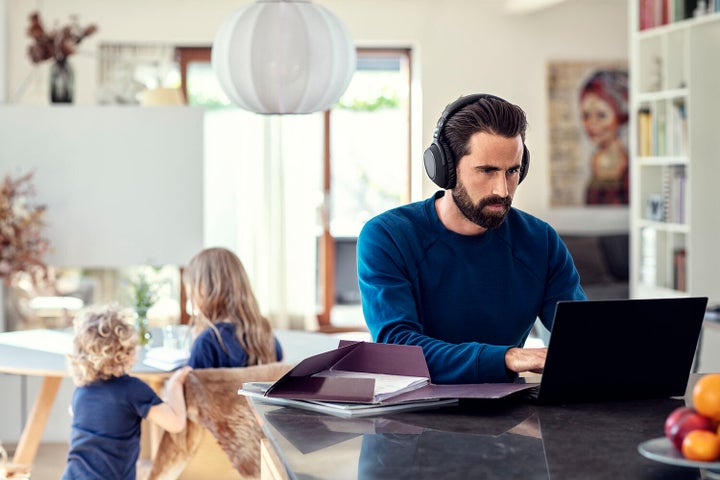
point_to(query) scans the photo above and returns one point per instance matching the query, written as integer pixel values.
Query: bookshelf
(675, 148)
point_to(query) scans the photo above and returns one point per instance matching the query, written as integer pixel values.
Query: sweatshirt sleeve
(563, 282)
(391, 313)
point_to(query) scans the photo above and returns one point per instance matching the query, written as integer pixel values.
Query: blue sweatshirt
(105, 436)
(465, 299)
(206, 351)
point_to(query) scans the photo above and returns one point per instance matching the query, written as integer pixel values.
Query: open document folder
(366, 378)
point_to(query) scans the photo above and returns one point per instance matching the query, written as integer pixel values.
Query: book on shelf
(679, 128)
(679, 270)
(659, 137)
(645, 132)
(655, 13)
(674, 186)
(681, 9)
(679, 188)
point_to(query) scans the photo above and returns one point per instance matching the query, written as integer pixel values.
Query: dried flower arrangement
(22, 244)
(56, 44)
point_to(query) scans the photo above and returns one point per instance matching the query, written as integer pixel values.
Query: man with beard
(463, 274)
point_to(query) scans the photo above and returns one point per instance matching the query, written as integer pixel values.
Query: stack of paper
(165, 358)
(386, 386)
(343, 409)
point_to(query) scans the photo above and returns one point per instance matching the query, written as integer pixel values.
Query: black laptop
(621, 349)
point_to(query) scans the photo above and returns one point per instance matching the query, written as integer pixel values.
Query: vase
(141, 323)
(62, 82)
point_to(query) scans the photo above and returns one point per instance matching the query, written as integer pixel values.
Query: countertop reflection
(508, 439)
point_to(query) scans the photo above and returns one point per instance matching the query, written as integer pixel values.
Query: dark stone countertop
(509, 439)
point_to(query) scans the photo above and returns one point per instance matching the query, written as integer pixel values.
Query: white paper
(386, 385)
(165, 358)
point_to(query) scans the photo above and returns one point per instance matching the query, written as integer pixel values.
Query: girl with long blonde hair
(227, 325)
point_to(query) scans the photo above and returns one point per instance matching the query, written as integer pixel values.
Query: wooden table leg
(32, 431)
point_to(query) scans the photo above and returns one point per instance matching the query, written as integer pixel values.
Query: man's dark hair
(490, 115)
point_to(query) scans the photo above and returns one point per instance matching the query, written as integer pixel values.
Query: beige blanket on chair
(213, 403)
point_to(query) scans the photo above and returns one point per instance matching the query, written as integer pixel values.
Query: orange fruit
(701, 446)
(706, 396)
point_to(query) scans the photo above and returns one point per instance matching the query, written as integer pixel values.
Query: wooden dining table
(42, 353)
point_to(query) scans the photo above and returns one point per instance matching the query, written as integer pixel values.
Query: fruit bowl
(662, 450)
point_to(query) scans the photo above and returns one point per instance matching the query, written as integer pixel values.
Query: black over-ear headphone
(438, 157)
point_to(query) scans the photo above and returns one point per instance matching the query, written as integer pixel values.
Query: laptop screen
(621, 349)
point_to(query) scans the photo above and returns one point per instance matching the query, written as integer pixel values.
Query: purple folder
(380, 358)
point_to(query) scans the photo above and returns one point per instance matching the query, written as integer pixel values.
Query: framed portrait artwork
(588, 107)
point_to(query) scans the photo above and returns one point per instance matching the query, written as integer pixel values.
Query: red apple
(683, 420)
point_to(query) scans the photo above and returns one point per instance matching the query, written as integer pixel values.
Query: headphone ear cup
(435, 162)
(449, 165)
(525, 164)
(438, 159)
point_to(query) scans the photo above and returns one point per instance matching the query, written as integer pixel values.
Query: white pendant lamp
(283, 56)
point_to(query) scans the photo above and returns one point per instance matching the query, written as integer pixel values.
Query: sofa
(603, 262)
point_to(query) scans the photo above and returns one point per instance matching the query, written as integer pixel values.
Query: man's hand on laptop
(525, 359)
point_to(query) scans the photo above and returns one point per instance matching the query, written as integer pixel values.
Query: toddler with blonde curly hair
(108, 404)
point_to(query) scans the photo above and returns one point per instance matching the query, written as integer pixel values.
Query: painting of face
(599, 119)
(588, 104)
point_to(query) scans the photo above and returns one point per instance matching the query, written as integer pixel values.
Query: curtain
(262, 195)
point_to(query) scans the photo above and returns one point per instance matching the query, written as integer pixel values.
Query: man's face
(487, 178)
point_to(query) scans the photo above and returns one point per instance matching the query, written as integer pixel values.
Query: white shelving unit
(675, 157)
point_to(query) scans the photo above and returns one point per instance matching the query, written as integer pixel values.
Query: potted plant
(145, 294)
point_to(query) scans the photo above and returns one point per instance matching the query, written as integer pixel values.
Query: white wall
(709, 361)
(123, 185)
(3, 51)
(17, 401)
(460, 47)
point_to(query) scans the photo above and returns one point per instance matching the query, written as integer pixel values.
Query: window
(369, 141)
(366, 161)
(197, 78)
(367, 172)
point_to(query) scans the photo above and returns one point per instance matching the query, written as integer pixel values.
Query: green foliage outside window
(369, 105)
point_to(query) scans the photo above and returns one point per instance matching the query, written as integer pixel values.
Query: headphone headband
(453, 107)
(438, 157)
